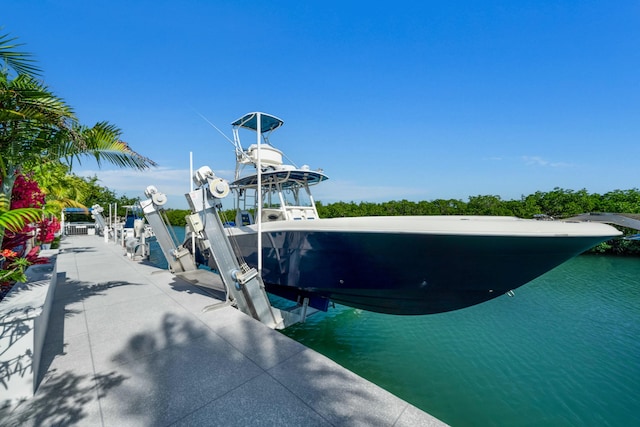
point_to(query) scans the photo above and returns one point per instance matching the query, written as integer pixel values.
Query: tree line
(559, 203)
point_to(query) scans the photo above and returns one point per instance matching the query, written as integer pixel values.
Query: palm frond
(36, 126)
(33, 100)
(20, 62)
(104, 145)
(16, 219)
(54, 207)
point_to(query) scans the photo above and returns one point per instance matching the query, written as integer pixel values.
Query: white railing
(75, 229)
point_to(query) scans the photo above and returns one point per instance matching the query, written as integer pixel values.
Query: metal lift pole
(244, 283)
(96, 213)
(178, 257)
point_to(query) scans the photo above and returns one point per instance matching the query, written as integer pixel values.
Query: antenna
(216, 128)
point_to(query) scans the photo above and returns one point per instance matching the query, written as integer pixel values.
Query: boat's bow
(415, 264)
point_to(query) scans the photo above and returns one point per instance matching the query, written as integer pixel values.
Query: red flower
(47, 229)
(26, 193)
(8, 253)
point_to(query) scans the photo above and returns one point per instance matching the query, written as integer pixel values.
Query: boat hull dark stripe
(370, 270)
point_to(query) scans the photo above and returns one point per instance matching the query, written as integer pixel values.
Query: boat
(405, 265)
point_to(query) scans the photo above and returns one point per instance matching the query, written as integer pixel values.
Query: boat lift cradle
(135, 243)
(243, 285)
(101, 223)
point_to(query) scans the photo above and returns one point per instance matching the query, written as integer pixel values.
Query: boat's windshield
(285, 193)
(296, 196)
(271, 198)
(276, 197)
(293, 202)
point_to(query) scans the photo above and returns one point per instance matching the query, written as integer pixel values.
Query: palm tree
(37, 127)
(61, 188)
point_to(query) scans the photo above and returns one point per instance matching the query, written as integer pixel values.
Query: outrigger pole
(259, 213)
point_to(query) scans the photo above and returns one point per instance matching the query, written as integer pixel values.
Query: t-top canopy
(286, 178)
(250, 121)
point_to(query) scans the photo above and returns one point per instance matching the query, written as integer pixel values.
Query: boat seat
(244, 218)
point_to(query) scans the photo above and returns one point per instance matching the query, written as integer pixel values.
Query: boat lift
(133, 239)
(101, 223)
(243, 285)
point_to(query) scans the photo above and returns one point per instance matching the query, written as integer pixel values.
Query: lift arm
(96, 213)
(178, 257)
(244, 283)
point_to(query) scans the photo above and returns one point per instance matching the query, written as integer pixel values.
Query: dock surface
(128, 344)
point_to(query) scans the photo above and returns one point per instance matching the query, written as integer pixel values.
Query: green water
(564, 351)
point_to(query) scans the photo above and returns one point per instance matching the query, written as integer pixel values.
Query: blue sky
(414, 100)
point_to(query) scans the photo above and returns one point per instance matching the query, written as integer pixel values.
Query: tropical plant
(47, 229)
(39, 128)
(16, 231)
(12, 267)
(14, 262)
(15, 220)
(23, 208)
(19, 62)
(62, 189)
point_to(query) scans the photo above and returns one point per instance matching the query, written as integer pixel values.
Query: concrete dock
(128, 344)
